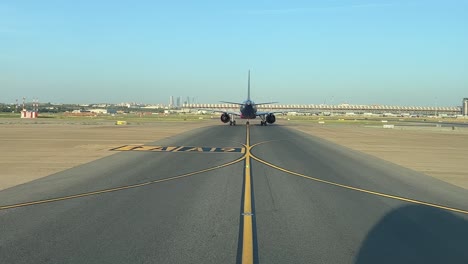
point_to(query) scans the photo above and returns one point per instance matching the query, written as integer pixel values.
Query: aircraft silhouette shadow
(416, 234)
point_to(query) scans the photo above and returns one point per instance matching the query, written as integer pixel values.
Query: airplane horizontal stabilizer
(230, 103)
(266, 103)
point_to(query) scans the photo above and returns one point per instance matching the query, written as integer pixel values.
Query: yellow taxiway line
(68, 197)
(355, 188)
(247, 242)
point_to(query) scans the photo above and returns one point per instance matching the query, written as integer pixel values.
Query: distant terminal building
(465, 107)
(344, 108)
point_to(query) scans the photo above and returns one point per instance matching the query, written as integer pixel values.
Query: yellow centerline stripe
(358, 189)
(4, 207)
(247, 243)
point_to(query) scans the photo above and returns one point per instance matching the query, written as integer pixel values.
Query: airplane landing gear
(263, 123)
(247, 123)
(232, 123)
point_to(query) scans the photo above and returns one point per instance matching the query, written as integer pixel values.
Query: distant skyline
(393, 52)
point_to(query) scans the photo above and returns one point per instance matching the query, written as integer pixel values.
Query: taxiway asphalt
(310, 201)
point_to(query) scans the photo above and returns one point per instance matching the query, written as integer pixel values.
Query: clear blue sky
(395, 52)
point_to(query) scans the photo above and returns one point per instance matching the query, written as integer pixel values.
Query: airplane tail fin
(248, 88)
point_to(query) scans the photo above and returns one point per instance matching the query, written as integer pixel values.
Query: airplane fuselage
(248, 110)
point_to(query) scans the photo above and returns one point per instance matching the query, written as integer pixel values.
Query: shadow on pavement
(417, 234)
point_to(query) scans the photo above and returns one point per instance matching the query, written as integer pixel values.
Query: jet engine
(225, 118)
(270, 118)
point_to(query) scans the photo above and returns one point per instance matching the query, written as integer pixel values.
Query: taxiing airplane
(248, 110)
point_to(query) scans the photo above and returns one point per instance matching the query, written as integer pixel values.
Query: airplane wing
(272, 112)
(220, 111)
(266, 103)
(230, 103)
